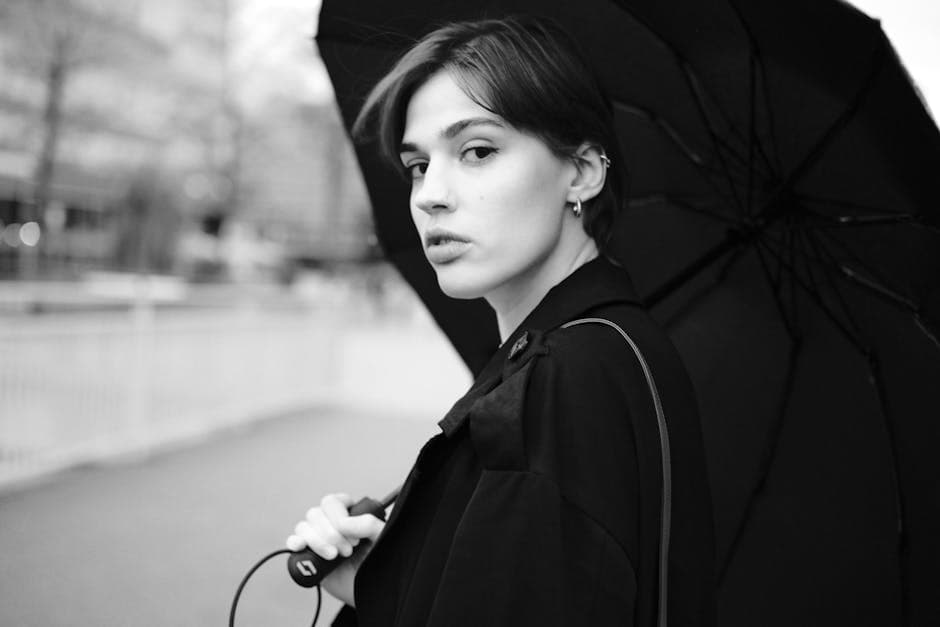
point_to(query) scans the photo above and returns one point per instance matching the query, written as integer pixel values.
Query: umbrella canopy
(783, 224)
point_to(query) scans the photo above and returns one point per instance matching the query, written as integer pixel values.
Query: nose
(430, 193)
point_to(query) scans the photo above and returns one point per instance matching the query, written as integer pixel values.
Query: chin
(460, 286)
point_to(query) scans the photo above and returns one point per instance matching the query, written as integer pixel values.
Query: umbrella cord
(241, 586)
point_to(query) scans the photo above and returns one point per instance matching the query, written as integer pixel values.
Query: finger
(364, 526)
(336, 502)
(319, 521)
(342, 497)
(315, 541)
(295, 543)
(335, 510)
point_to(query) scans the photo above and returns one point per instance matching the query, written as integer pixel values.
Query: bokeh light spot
(11, 235)
(30, 233)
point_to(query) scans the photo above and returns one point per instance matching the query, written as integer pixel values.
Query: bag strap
(666, 463)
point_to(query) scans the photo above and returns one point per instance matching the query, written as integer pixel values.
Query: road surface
(164, 540)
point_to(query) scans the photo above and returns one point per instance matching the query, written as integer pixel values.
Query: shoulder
(588, 343)
(589, 361)
(585, 395)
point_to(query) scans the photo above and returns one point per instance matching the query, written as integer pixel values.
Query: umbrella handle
(308, 569)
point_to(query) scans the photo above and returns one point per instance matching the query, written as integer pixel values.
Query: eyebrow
(455, 129)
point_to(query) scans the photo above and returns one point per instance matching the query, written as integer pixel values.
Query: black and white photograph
(467, 314)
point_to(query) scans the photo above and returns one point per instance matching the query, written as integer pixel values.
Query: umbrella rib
(874, 366)
(698, 97)
(679, 314)
(756, 54)
(809, 261)
(665, 127)
(852, 256)
(754, 49)
(884, 220)
(779, 276)
(732, 152)
(893, 298)
(927, 330)
(776, 166)
(733, 239)
(879, 388)
(887, 294)
(688, 72)
(805, 244)
(775, 290)
(873, 220)
(878, 383)
(729, 263)
(768, 454)
(791, 246)
(877, 216)
(674, 135)
(877, 287)
(827, 262)
(801, 250)
(839, 124)
(659, 199)
(770, 168)
(839, 202)
(798, 282)
(752, 132)
(744, 165)
(684, 148)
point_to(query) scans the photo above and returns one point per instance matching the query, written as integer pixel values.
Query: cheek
(530, 181)
(527, 205)
(418, 218)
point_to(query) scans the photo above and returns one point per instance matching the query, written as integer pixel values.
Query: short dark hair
(528, 71)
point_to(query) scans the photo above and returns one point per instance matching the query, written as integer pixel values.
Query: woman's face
(487, 200)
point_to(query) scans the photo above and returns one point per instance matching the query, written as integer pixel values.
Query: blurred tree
(57, 37)
(94, 89)
(149, 224)
(52, 39)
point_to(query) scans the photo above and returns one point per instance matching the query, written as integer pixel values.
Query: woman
(543, 501)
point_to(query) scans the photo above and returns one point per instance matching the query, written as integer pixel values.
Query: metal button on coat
(519, 347)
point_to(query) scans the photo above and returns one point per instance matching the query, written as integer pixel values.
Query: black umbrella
(783, 224)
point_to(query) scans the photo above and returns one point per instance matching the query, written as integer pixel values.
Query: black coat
(540, 501)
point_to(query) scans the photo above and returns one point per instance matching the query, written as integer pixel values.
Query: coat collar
(597, 283)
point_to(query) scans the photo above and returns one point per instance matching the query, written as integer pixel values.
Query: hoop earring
(577, 209)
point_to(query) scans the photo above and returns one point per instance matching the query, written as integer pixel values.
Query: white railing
(79, 387)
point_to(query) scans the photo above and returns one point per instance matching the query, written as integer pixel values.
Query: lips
(444, 246)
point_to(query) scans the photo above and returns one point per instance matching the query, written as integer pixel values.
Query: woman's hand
(330, 531)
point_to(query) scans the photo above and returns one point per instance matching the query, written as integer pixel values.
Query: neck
(515, 302)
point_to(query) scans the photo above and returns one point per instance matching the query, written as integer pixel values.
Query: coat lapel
(497, 431)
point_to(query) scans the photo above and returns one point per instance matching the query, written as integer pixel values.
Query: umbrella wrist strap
(665, 456)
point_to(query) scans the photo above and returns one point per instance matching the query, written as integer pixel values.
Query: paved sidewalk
(165, 540)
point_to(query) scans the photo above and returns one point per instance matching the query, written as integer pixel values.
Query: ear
(591, 172)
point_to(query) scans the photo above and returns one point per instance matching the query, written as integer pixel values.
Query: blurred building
(122, 133)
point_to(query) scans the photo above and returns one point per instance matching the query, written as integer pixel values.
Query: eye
(416, 169)
(476, 154)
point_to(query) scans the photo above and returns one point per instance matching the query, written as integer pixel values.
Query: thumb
(364, 526)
